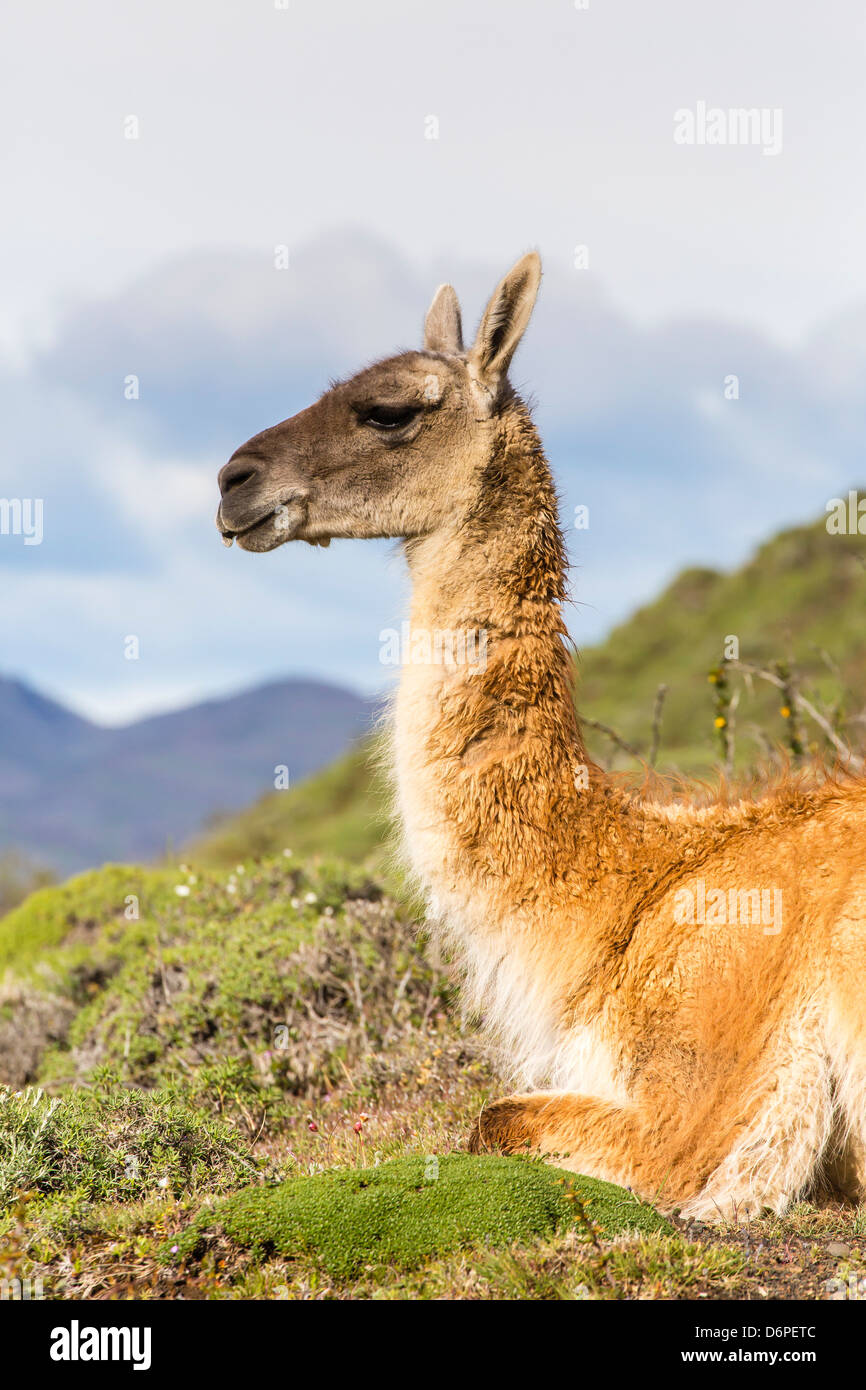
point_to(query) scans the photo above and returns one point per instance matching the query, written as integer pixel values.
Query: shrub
(113, 1144)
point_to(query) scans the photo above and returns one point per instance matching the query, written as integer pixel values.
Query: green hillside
(341, 811)
(800, 600)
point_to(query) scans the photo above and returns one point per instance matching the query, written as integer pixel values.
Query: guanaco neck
(495, 789)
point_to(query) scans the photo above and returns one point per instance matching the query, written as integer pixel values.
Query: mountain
(801, 599)
(74, 794)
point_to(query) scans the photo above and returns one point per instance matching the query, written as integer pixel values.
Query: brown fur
(708, 1064)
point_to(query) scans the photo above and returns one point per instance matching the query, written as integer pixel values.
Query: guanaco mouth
(278, 525)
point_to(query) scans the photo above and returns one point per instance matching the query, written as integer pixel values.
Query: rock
(839, 1249)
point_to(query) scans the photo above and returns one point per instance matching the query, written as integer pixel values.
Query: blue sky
(306, 127)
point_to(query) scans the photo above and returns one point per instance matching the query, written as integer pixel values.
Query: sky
(388, 147)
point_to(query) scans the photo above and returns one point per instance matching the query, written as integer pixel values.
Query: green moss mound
(410, 1210)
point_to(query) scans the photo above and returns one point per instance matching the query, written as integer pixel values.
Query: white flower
(287, 853)
(163, 1182)
(182, 890)
(231, 887)
(310, 898)
(240, 869)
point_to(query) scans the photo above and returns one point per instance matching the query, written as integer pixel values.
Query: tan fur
(710, 1066)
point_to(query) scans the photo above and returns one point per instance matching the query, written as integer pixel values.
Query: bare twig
(657, 724)
(611, 734)
(730, 734)
(829, 662)
(846, 753)
(726, 705)
(760, 737)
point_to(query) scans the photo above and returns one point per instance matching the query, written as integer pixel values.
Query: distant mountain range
(74, 794)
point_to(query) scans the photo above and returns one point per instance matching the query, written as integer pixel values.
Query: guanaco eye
(390, 417)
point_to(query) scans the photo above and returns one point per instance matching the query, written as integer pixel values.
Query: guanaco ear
(504, 321)
(443, 331)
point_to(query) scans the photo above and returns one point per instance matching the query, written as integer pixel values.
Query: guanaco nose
(234, 474)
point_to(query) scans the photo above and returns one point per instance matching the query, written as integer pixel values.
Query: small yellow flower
(712, 678)
(720, 721)
(785, 712)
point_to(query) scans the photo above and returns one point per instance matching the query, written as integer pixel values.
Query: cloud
(58, 449)
(636, 420)
(220, 341)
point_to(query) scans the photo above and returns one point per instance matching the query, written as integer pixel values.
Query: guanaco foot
(576, 1132)
(506, 1126)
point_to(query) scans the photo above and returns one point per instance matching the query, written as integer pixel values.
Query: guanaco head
(398, 450)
